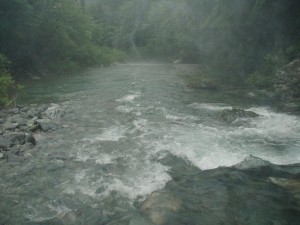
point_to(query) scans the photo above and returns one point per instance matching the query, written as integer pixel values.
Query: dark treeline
(241, 42)
(244, 41)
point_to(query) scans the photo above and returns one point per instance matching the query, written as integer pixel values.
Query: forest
(239, 42)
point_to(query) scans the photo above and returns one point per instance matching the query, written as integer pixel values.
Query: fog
(234, 39)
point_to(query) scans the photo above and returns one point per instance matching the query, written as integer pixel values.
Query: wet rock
(25, 147)
(252, 162)
(235, 195)
(158, 205)
(68, 218)
(55, 111)
(32, 113)
(5, 143)
(15, 150)
(10, 126)
(16, 119)
(293, 185)
(1, 155)
(47, 125)
(13, 159)
(203, 84)
(25, 109)
(234, 116)
(15, 137)
(14, 111)
(29, 138)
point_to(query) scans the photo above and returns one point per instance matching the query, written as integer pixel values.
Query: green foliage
(263, 76)
(52, 36)
(6, 80)
(237, 39)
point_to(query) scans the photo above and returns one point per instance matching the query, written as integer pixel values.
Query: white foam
(129, 98)
(210, 106)
(211, 146)
(104, 159)
(142, 183)
(125, 109)
(114, 133)
(52, 211)
(141, 124)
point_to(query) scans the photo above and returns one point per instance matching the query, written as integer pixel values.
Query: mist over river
(136, 129)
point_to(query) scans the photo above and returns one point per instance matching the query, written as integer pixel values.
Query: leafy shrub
(6, 80)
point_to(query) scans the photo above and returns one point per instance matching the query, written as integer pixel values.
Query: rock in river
(250, 193)
(47, 124)
(235, 115)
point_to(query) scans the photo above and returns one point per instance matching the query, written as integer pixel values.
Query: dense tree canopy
(242, 40)
(239, 39)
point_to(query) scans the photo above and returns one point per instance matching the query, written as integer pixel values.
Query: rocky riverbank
(20, 127)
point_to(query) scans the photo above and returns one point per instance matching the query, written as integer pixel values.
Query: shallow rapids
(107, 156)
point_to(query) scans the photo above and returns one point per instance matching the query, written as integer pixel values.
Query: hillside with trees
(242, 42)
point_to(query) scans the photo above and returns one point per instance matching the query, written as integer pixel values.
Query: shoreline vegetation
(242, 44)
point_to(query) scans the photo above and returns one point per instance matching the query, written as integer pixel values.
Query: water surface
(125, 119)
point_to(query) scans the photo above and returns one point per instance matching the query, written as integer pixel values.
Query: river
(125, 120)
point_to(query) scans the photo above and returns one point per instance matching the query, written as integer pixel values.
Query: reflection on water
(111, 154)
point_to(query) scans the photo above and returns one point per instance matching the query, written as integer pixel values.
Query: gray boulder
(257, 192)
(252, 162)
(203, 84)
(10, 126)
(14, 111)
(47, 125)
(55, 111)
(15, 138)
(237, 116)
(16, 119)
(5, 143)
(29, 138)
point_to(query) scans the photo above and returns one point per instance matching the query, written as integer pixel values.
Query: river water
(107, 157)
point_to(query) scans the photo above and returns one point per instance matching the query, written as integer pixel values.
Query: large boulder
(15, 138)
(253, 192)
(237, 116)
(5, 143)
(47, 125)
(55, 111)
